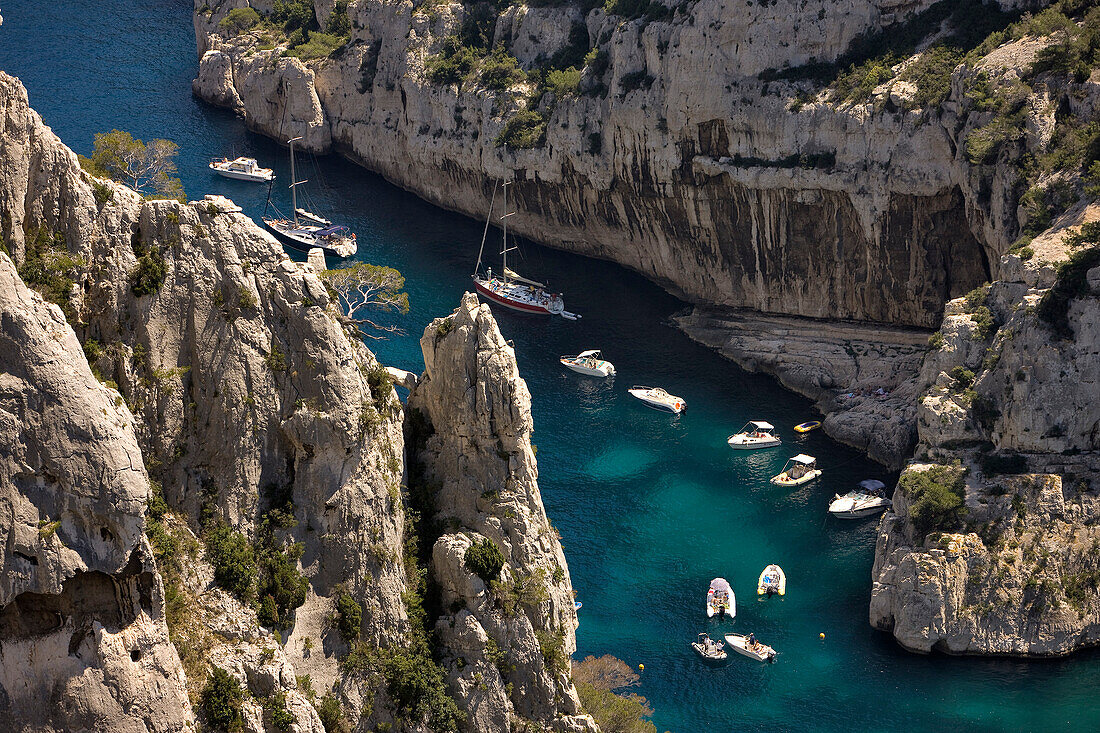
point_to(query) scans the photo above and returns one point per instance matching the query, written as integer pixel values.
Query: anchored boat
(755, 434)
(868, 499)
(799, 470)
(508, 288)
(659, 399)
(306, 230)
(709, 649)
(589, 363)
(807, 426)
(720, 599)
(772, 580)
(242, 169)
(750, 647)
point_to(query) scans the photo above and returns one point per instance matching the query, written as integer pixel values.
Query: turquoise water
(650, 507)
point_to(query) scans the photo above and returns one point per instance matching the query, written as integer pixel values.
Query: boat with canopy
(869, 498)
(720, 599)
(755, 434)
(589, 363)
(798, 470)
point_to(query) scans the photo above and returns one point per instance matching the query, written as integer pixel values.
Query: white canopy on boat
(513, 275)
(590, 352)
(871, 484)
(804, 459)
(761, 425)
(720, 584)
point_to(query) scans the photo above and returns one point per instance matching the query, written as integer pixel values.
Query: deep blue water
(649, 507)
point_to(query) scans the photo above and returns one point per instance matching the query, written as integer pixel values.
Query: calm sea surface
(650, 507)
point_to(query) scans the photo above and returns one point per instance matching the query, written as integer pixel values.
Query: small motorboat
(755, 434)
(798, 470)
(720, 599)
(709, 649)
(772, 580)
(868, 499)
(589, 363)
(807, 426)
(242, 169)
(750, 647)
(659, 399)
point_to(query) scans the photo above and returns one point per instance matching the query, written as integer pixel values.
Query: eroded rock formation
(505, 642)
(688, 168)
(83, 640)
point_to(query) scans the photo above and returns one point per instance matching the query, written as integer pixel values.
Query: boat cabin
(757, 429)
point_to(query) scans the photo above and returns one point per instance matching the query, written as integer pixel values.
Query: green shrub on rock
(500, 70)
(239, 20)
(936, 497)
(525, 129)
(1072, 283)
(233, 559)
(349, 616)
(484, 559)
(221, 701)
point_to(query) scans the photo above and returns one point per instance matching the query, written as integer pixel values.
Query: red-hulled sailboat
(508, 288)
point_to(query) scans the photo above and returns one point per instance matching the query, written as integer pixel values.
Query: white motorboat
(772, 580)
(798, 470)
(755, 434)
(868, 499)
(659, 399)
(509, 288)
(709, 649)
(589, 363)
(242, 169)
(303, 236)
(750, 647)
(720, 599)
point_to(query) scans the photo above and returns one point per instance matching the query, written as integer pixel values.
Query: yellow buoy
(641, 668)
(821, 635)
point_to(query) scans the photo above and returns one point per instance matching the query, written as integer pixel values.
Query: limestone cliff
(268, 428)
(1011, 426)
(83, 641)
(505, 641)
(673, 158)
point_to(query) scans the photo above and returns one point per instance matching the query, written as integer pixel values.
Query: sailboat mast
(293, 183)
(504, 236)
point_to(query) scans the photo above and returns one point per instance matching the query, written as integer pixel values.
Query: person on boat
(752, 639)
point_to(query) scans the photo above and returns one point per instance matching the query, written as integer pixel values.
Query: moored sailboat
(307, 230)
(510, 289)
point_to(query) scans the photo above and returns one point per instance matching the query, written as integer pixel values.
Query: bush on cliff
(484, 559)
(596, 680)
(317, 45)
(233, 559)
(349, 615)
(221, 701)
(294, 15)
(148, 168)
(936, 497)
(500, 70)
(453, 64)
(239, 20)
(50, 269)
(524, 129)
(1071, 283)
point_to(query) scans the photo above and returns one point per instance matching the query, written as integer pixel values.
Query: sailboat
(509, 288)
(307, 230)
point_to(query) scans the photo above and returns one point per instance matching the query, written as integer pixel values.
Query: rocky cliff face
(689, 168)
(1012, 406)
(83, 641)
(506, 640)
(256, 409)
